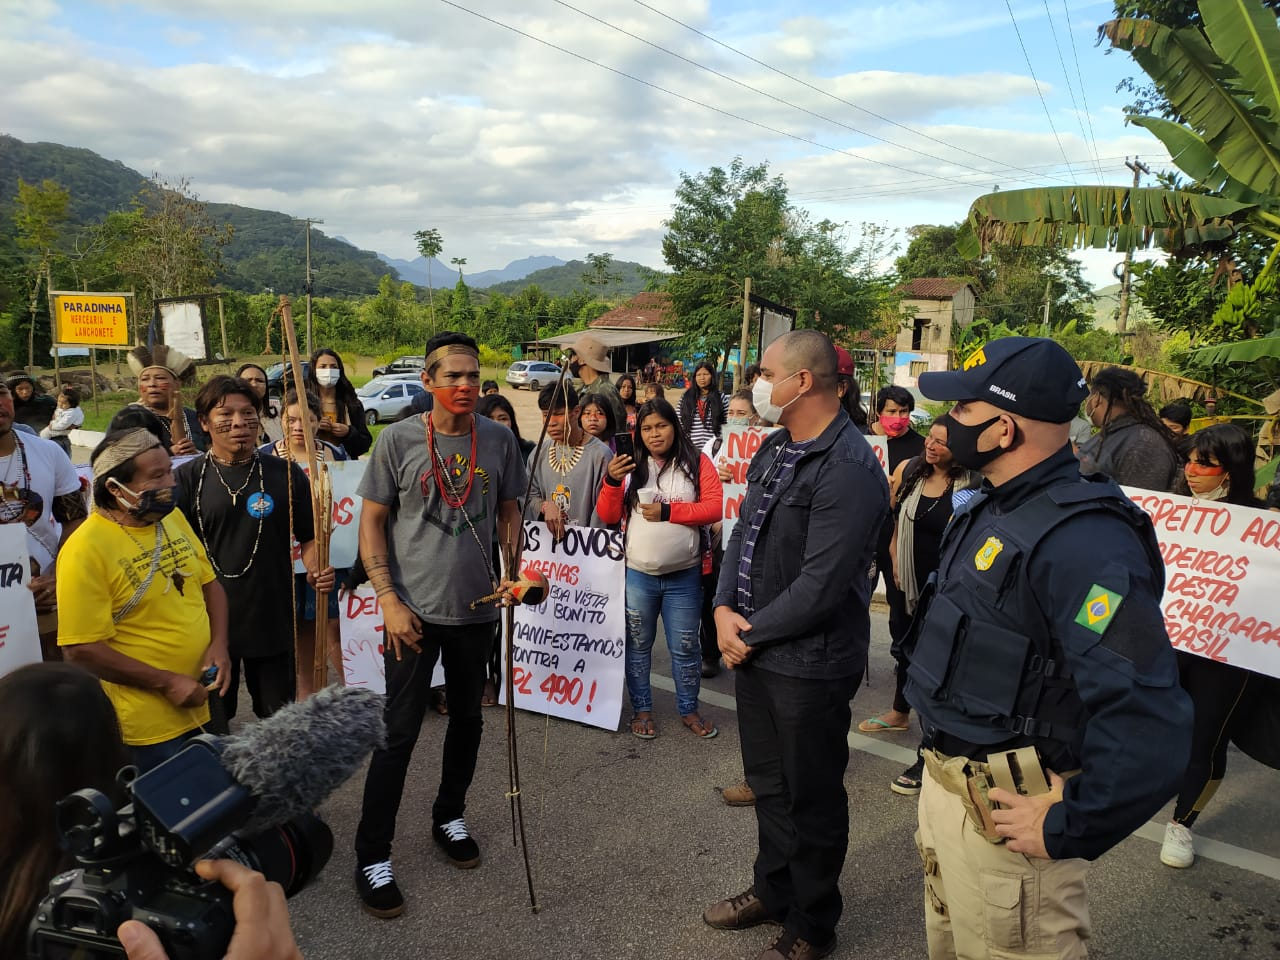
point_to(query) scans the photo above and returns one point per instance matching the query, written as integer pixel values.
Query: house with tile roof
(633, 332)
(933, 310)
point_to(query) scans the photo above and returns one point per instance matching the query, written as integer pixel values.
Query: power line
(1053, 30)
(1075, 53)
(826, 93)
(764, 93)
(692, 100)
(1026, 56)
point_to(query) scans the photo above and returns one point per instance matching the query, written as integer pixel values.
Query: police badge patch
(987, 553)
(1098, 608)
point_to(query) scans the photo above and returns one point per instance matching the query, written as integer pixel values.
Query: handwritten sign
(19, 636)
(880, 447)
(568, 651)
(344, 477)
(362, 662)
(1222, 566)
(740, 445)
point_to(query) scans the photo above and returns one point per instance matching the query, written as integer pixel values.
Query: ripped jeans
(678, 597)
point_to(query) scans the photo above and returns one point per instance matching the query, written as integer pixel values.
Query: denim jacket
(811, 570)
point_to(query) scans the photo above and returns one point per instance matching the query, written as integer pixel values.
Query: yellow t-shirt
(99, 569)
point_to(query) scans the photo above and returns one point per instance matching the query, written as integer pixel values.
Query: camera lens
(290, 854)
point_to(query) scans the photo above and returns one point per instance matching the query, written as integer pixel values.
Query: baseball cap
(1033, 377)
(844, 362)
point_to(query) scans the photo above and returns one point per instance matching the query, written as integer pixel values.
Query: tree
(41, 211)
(458, 262)
(461, 313)
(429, 245)
(600, 276)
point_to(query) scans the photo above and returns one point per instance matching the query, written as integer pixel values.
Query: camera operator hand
(184, 691)
(262, 919)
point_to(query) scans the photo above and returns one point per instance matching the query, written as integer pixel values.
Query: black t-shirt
(909, 445)
(260, 613)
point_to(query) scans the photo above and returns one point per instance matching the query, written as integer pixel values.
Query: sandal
(642, 726)
(490, 696)
(701, 728)
(881, 725)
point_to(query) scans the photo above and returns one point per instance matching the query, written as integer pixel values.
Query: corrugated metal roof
(614, 338)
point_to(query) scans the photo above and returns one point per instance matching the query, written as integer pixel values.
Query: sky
(561, 127)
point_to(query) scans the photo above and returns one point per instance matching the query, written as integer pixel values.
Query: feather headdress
(175, 361)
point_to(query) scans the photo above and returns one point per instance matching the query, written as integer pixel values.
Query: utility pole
(1048, 290)
(1122, 320)
(309, 221)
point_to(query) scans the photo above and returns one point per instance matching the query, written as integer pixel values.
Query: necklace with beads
(439, 470)
(234, 494)
(176, 578)
(563, 463)
(262, 514)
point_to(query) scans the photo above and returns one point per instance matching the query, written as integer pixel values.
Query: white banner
(880, 447)
(1222, 570)
(362, 663)
(569, 650)
(344, 477)
(19, 636)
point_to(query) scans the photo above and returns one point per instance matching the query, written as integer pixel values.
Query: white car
(534, 374)
(387, 399)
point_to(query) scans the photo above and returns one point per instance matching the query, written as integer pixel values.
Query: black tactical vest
(983, 667)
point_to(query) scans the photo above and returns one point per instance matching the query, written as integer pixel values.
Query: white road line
(1216, 850)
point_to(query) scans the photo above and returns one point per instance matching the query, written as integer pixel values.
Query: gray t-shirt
(437, 566)
(575, 492)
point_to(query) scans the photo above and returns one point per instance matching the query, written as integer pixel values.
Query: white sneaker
(1177, 849)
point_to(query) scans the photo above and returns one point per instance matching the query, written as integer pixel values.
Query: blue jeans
(678, 598)
(151, 755)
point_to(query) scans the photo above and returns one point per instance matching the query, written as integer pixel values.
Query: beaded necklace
(440, 473)
(175, 577)
(262, 515)
(233, 494)
(14, 504)
(561, 463)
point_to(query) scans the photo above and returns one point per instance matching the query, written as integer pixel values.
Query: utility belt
(1018, 771)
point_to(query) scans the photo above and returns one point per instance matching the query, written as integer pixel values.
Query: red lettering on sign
(343, 513)
(1262, 531)
(732, 506)
(743, 446)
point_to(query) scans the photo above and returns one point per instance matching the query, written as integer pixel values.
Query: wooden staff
(321, 495)
(177, 416)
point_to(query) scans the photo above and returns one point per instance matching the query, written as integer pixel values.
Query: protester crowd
(184, 586)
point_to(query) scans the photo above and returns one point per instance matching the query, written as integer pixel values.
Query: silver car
(385, 399)
(534, 374)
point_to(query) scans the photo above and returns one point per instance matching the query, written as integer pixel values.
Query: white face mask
(1217, 493)
(738, 421)
(328, 377)
(762, 399)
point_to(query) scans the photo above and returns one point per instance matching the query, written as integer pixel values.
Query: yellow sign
(91, 319)
(986, 556)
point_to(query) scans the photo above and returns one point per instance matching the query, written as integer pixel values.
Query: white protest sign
(880, 447)
(19, 635)
(1222, 568)
(740, 445)
(362, 663)
(344, 477)
(568, 652)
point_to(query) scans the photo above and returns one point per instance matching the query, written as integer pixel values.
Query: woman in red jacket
(666, 496)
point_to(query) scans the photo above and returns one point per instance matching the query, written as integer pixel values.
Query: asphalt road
(630, 842)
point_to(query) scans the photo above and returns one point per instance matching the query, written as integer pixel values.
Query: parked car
(409, 364)
(276, 378)
(385, 400)
(534, 374)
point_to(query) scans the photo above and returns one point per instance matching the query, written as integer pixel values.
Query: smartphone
(209, 679)
(624, 445)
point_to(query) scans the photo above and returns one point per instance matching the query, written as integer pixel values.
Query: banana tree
(1224, 82)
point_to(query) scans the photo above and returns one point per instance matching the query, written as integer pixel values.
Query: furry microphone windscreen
(294, 759)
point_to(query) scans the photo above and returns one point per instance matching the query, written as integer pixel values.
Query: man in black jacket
(792, 620)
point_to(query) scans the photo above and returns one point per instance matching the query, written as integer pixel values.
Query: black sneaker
(908, 782)
(456, 842)
(378, 891)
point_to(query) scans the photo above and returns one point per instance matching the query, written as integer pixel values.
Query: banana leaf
(1242, 351)
(1196, 160)
(1244, 34)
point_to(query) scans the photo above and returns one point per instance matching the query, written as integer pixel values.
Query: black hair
(496, 401)
(751, 372)
(892, 394)
(343, 390)
(852, 400)
(658, 388)
(489, 385)
(635, 393)
(1178, 412)
(562, 395)
(218, 388)
(918, 469)
(595, 400)
(813, 351)
(1124, 387)
(714, 406)
(1233, 449)
(312, 401)
(445, 338)
(252, 366)
(683, 454)
(136, 415)
(72, 395)
(123, 474)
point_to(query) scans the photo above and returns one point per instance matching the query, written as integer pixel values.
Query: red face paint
(457, 400)
(1194, 469)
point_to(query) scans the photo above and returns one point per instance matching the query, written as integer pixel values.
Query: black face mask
(962, 441)
(574, 367)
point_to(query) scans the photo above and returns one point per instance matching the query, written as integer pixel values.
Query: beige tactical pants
(983, 901)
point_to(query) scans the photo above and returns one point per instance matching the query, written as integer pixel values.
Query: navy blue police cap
(1033, 377)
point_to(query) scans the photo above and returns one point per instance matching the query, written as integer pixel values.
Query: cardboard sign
(362, 662)
(1222, 568)
(19, 636)
(568, 653)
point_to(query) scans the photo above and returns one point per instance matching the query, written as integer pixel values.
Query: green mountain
(268, 249)
(566, 279)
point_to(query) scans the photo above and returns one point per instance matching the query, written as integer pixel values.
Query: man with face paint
(149, 615)
(1044, 678)
(792, 622)
(238, 503)
(440, 488)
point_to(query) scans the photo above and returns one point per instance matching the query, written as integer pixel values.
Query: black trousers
(1217, 691)
(710, 644)
(794, 752)
(465, 652)
(271, 684)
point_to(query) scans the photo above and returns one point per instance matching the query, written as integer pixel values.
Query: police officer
(1043, 676)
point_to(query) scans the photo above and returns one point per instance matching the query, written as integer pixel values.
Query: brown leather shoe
(738, 913)
(739, 795)
(787, 946)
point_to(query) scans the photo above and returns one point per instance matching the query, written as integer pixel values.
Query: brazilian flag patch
(1098, 609)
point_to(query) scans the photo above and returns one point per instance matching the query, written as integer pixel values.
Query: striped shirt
(785, 462)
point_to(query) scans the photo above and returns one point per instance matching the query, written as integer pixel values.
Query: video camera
(136, 863)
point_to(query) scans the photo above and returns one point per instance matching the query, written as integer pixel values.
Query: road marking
(1216, 850)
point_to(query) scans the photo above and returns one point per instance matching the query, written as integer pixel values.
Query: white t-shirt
(51, 475)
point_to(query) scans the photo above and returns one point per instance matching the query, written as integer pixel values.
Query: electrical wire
(1053, 30)
(1075, 53)
(1048, 116)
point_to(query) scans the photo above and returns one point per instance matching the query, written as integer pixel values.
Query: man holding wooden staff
(240, 505)
(437, 488)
